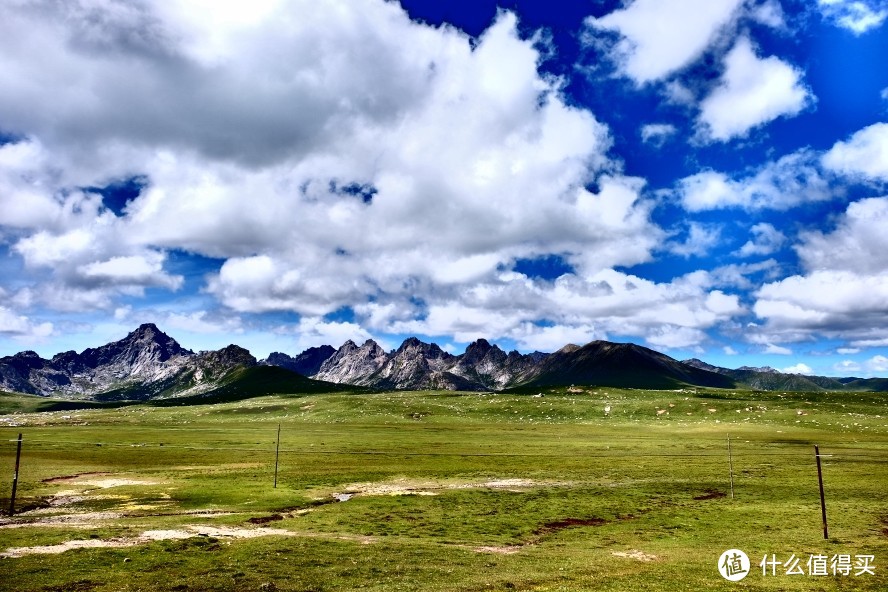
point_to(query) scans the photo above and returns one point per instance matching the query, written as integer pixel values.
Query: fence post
(822, 499)
(731, 465)
(15, 476)
(277, 452)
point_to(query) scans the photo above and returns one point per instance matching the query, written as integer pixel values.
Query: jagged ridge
(419, 365)
(146, 364)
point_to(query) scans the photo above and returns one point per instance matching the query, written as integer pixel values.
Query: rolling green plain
(444, 491)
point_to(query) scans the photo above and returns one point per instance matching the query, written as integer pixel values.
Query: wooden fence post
(731, 465)
(822, 499)
(277, 452)
(15, 476)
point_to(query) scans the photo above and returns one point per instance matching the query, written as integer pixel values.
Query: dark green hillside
(624, 365)
(28, 403)
(777, 381)
(257, 381)
(868, 384)
(239, 384)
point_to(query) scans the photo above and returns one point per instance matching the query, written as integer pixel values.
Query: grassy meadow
(443, 491)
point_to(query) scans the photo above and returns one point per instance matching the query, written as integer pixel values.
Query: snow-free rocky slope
(146, 364)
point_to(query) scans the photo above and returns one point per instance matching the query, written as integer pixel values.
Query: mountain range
(769, 379)
(150, 365)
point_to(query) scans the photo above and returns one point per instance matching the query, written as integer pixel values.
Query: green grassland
(445, 491)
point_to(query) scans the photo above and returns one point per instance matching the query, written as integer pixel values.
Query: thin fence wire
(837, 453)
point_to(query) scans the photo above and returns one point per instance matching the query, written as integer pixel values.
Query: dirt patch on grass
(710, 494)
(400, 487)
(265, 519)
(89, 519)
(498, 550)
(635, 554)
(67, 478)
(507, 483)
(118, 482)
(885, 525)
(100, 480)
(188, 532)
(415, 487)
(147, 537)
(83, 520)
(557, 525)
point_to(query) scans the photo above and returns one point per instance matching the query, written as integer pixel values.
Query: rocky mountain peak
(307, 363)
(410, 342)
(762, 369)
(140, 352)
(352, 364)
(148, 333)
(414, 346)
(701, 365)
(371, 345)
(479, 345)
(146, 329)
(25, 360)
(569, 348)
(479, 350)
(232, 355)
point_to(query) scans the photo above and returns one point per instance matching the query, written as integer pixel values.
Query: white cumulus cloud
(858, 16)
(790, 181)
(799, 368)
(751, 92)
(877, 364)
(314, 332)
(863, 155)
(698, 242)
(657, 133)
(327, 168)
(847, 366)
(765, 240)
(675, 314)
(844, 290)
(858, 243)
(777, 350)
(659, 37)
(351, 172)
(21, 327)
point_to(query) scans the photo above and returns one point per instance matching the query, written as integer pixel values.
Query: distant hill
(867, 384)
(603, 363)
(769, 379)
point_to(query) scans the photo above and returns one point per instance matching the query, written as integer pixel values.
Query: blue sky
(703, 177)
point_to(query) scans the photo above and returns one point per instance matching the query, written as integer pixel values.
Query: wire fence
(718, 449)
(734, 454)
